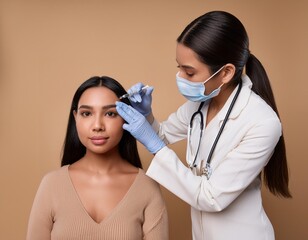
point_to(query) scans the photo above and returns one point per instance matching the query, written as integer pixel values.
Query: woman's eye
(111, 114)
(85, 114)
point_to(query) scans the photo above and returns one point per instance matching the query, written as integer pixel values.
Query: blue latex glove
(142, 99)
(139, 127)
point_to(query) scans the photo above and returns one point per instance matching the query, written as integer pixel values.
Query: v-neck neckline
(113, 211)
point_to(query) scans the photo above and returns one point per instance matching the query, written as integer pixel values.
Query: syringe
(131, 94)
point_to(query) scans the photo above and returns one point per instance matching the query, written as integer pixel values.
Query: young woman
(100, 192)
(232, 128)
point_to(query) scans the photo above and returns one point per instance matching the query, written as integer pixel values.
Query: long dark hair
(219, 38)
(73, 149)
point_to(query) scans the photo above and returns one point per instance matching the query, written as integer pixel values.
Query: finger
(136, 97)
(132, 99)
(132, 128)
(139, 86)
(149, 91)
(136, 88)
(125, 111)
(135, 92)
(126, 127)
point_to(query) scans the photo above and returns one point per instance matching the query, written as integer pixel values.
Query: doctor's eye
(190, 74)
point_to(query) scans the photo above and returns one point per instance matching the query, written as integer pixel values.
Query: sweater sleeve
(155, 226)
(41, 220)
(159, 230)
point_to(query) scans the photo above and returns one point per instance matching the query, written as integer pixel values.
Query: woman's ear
(74, 113)
(228, 73)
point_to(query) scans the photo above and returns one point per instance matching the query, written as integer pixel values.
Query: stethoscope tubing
(208, 161)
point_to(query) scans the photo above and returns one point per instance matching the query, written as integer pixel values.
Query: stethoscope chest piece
(206, 171)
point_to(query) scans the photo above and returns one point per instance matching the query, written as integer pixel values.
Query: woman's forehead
(101, 96)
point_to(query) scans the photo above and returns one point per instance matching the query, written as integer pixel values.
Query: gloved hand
(142, 99)
(139, 127)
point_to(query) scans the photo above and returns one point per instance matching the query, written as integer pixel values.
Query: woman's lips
(98, 140)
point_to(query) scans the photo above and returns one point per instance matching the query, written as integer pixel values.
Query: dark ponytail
(275, 173)
(219, 38)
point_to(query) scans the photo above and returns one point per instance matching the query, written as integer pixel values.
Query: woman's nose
(98, 124)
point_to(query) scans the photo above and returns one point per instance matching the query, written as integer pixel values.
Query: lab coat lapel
(241, 102)
(214, 126)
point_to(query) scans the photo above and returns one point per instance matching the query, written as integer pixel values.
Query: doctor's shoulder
(259, 109)
(258, 114)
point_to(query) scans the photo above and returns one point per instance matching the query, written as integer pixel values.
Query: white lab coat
(229, 204)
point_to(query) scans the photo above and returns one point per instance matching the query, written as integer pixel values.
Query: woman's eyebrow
(104, 107)
(85, 106)
(109, 106)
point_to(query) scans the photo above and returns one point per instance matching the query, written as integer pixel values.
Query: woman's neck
(101, 163)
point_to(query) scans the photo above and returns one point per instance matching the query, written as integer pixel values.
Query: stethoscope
(206, 170)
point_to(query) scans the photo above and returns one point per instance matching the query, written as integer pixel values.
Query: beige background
(47, 48)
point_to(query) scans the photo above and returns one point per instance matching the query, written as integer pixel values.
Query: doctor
(232, 128)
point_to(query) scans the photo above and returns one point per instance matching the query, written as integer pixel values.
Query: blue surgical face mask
(194, 91)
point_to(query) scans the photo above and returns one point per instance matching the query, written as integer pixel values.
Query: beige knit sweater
(57, 213)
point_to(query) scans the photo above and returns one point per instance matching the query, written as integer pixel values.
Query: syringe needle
(131, 94)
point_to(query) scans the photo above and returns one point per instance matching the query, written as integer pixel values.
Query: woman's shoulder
(147, 182)
(144, 178)
(56, 175)
(52, 180)
(149, 190)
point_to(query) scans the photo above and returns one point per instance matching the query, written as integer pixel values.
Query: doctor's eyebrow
(185, 66)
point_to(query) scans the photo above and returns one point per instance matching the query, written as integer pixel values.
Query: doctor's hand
(139, 127)
(142, 99)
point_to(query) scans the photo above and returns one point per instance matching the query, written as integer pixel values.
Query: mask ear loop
(214, 75)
